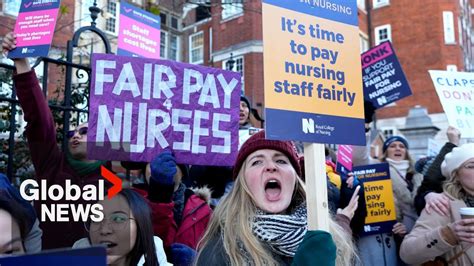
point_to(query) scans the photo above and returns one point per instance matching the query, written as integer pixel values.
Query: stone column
(418, 130)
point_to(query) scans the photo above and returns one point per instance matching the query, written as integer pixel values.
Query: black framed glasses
(117, 222)
(82, 131)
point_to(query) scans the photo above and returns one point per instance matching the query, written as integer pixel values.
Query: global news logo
(89, 194)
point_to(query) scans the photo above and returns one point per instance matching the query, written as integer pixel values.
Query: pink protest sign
(139, 32)
(344, 159)
(34, 28)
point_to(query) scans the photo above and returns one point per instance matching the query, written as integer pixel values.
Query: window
(163, 42)
(380, 3)
(196, 48)
(383, 33)
(361, 4)
(448, 24)
(11, 7)
(163, 19)
(112, 20)
(237, 67)
(173, 52)
(452, 68)
(169, 46)
(231, 8)
(174, 23)
(364, 43)
(388, 132)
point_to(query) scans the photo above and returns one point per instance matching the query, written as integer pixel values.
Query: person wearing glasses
(447, 239)
(49, 161)
(126, 231)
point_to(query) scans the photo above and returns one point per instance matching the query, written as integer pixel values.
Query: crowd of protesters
(253, 213)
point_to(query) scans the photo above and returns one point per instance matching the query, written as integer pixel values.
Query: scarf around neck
(401, 166)
(83, 168)
(283, 233)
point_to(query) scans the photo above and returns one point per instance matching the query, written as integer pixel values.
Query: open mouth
(108, 244)
(272, 190)
(75, 143)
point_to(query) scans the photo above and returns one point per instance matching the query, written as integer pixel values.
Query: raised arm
(40, 129)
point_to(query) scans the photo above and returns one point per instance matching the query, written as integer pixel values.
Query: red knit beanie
(258, 142)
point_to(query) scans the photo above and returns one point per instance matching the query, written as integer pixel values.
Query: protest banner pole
(316, 187)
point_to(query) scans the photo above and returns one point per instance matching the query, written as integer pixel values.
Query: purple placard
(141, 106)
(383, 78)
(344, 159)
(139, 32)
(34, 28)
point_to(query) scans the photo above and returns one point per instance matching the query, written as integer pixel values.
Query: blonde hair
(233, 218)
(453, 186)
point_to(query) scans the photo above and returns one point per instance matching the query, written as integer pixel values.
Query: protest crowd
(252, 211)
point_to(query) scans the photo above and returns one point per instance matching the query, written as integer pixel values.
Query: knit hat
(393, 139)
(456, 158)
(422, 165)
(246, 100)
(258, 142)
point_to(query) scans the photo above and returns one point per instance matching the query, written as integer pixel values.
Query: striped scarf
(283, 233)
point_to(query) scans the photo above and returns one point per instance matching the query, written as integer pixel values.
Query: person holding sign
(447, 239)
(405, 180)
(381, 249)
(50, 162)
(269, 193)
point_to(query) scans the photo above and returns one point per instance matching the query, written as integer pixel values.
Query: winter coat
(433, 180)
(195, 217)
(49, 161)
(404, 198)
(215, 254)
(425, 242)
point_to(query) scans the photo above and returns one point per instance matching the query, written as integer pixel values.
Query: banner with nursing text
(313, 89)
(140, 107)
(34, 28)
(383, 77)
(139, 32)
(379, 198)
(456, 93)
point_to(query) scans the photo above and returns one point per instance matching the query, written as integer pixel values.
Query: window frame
(165, 40)
(242, 71)
(231, 12)
(191, 48)
(380, 3)
(113, 16)
(377, 30)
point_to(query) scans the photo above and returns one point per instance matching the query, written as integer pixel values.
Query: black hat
(243, 98)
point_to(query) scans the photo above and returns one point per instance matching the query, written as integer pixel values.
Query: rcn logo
(382, 100)
(308, 125)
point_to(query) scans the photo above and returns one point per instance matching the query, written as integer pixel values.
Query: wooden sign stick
(316, 187)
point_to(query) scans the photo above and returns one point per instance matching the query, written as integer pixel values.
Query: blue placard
(337, 10)
(379, 198)
(383, 77)
(94, 256)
